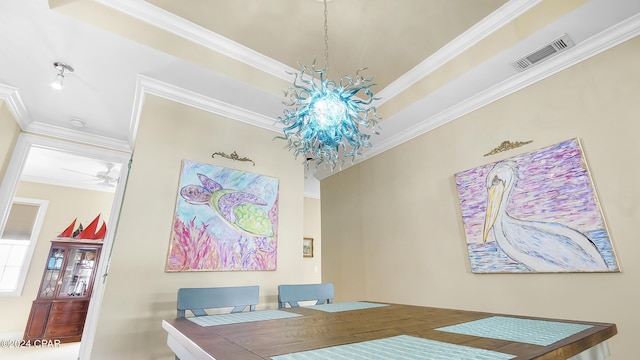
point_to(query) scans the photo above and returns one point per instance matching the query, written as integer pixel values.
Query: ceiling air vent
(544, 52)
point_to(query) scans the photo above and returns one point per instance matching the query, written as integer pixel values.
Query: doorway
(110, 169)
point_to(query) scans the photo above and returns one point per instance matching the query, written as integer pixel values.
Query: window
(18, 241)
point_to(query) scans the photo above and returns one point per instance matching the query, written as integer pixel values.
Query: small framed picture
(307, 247)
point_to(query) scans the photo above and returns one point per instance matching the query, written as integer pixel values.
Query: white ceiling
(59, 168)
(229, 56)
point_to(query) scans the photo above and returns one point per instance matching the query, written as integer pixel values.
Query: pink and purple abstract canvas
(225, 220)
(535, 212)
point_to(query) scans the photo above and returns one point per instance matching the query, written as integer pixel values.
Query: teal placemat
(537, 332)
(402, 347)
(249, 316)
(346, 306)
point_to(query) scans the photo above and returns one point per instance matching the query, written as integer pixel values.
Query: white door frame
(9, 184)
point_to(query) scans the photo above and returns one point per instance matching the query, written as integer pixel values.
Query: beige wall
(9, 131)
(65, 204)
(139, 294)
(392, 229)
(311, 267)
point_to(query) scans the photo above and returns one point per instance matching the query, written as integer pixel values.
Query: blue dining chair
(291, 294)
(197, 300)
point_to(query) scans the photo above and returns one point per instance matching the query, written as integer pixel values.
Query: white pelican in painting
(540, 246)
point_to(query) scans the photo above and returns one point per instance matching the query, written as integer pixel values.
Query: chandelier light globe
(328, 121)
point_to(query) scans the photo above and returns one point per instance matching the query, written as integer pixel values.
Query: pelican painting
(536, 212)
(225, 220)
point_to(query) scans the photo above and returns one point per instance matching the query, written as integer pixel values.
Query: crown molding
(311, 193)
(78, 136)
(172, 92)
(11, 96)
(77, 185)
(597, 44)
(496, 20)
(588, 48)
(174, 24)
(147, 85)
(167, 21)
(17, 108)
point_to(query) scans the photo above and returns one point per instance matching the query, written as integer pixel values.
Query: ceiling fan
(105, 178)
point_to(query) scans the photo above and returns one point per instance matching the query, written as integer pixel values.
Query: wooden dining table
(312, 329)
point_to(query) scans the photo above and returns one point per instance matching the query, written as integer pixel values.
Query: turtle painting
(241, 210)
(225, 220)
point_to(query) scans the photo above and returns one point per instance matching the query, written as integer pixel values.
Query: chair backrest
(291, 294)
(198, 299)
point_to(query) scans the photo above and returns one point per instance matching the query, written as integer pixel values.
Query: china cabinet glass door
(77, 274)
(68, 272)
(52, 272)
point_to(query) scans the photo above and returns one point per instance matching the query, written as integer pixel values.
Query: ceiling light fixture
(325, 117)
(57, 82)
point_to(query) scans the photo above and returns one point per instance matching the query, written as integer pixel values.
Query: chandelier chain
(326, 39)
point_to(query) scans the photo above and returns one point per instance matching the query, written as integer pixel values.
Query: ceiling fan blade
(80, 172)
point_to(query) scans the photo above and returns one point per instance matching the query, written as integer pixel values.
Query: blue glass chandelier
(324, 120)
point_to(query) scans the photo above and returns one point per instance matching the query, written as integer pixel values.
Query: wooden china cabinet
(60, 308)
